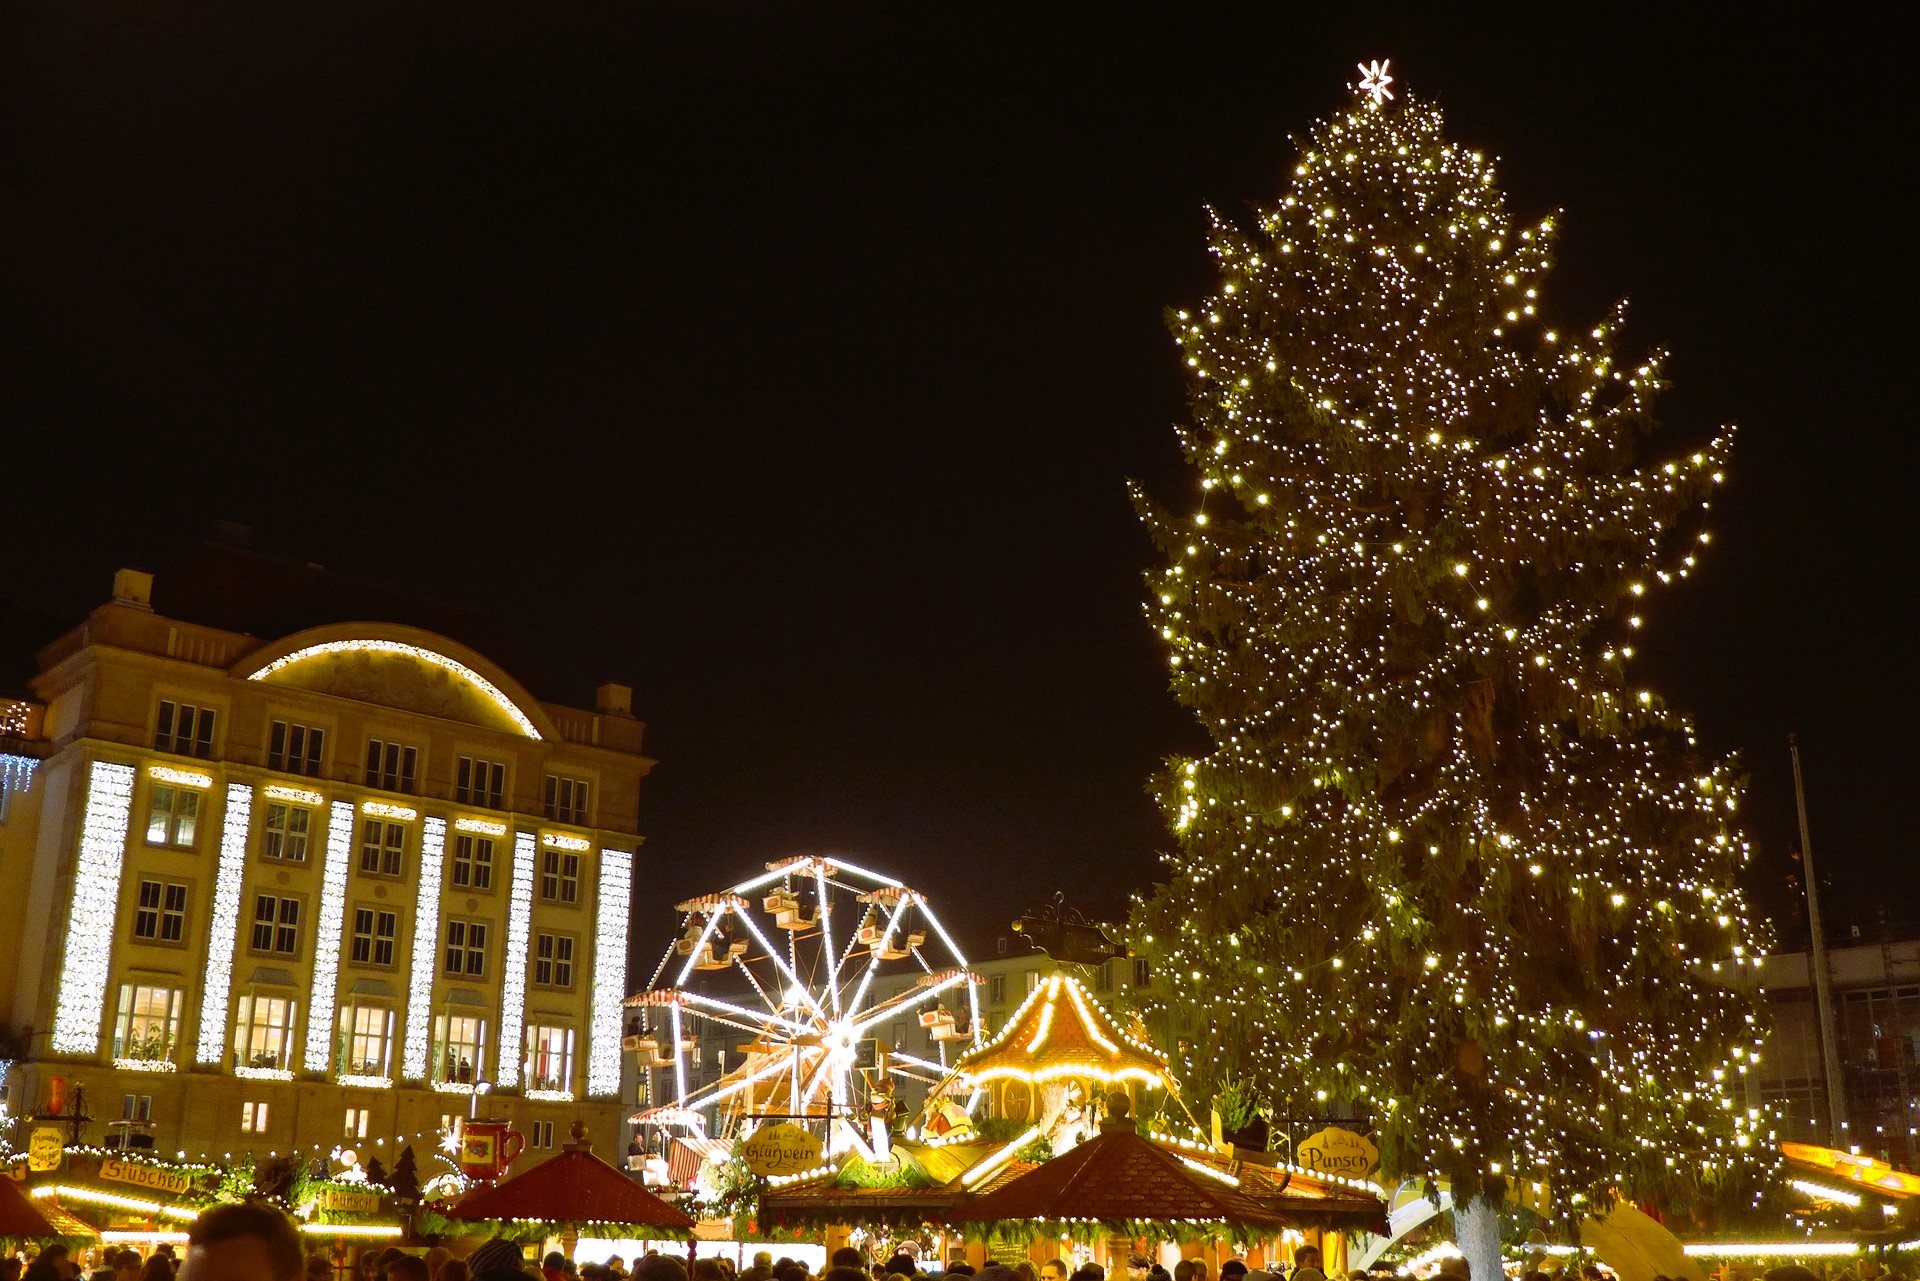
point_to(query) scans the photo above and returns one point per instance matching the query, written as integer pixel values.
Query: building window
(253, 1117)
(295, 748)
(466, 947)
(369, 1030)
(263, 1032)
(148, 1023)
(459, 1044)
(357, 1123)
(540, 1134)
(374, 932)
(478, 782)
(136, 1107)
(1033, 980)
(276, 924)
(997, 990)
(553, 960)
(161, 916)
(383, 847)
(284, 835)
(172, 815)
(183, 729)
(560, 877)
(391, 766)
(473, 862)
(1142, 973)
(6, 798)
(1103, 978)
(567, 799)
(549, 1057)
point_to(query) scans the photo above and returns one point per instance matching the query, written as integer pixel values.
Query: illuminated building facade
(287, 893)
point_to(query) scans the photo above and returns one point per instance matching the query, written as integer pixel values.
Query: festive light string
(328, 924)
(609, 973)
(224, 924)
(513, 973)
(96, 898)
(426, 947)
(1404, 606)
(365, 645)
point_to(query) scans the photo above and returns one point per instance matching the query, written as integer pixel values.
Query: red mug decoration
(56, 1096)
(488, 1147)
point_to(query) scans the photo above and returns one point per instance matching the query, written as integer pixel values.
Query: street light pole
(1817, 961)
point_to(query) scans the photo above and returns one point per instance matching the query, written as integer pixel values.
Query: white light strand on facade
(180, 777)
(381, 809)
(326, 939)
(96, 898)
(609, 973)
(223, 927)
(513, 974)
(369, 646)
(16, 772)
(558, 841)
(426, 944)
(298, 795)
(481, 826)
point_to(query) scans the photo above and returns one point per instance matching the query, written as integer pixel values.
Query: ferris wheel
(807, 966)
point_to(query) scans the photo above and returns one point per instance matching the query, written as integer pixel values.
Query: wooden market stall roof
(573, 1187)
(1062, 1032)
(20, 1217)
(1119, 1177)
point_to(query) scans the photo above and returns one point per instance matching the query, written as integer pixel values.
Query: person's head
(436, 1259)
(319, 1268)
(960, 1269)
(708, 1268)
(1024, 1270)
(245, 1241)
(1183, 1270)
(1307, 1256)
(763, 1259)
(655, 1267)
(160, 1268)
(368, 1264)
(408, 1267)
(495, 1259)
(1201, 1270)
(794, 1272)
(555, 1260)
(901, 1264)
(849, 1257)
(841, 1272)
(1053, 1270)
(1456, 1265)
(452, 1270)
(1233, 1268)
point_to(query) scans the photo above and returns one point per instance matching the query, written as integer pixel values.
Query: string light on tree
(1443, 863)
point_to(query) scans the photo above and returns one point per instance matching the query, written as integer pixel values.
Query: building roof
(1120, 1177)
(1060, 1031)
(574, 1187)
(20, 1217)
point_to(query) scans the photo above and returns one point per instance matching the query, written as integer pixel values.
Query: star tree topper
(1374, 79)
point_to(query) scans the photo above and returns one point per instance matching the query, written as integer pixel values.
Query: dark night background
(787, 362)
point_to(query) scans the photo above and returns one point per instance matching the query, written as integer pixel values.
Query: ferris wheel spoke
(699, 948)
(826, 934)
(901, 1004)
(787, 970)
(741, 1010)
(879, 950)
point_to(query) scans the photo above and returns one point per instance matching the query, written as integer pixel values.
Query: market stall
(568, 1196)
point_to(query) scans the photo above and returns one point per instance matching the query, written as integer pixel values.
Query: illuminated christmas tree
(1446, 863)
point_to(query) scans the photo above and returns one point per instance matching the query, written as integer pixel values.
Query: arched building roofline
(483, 675)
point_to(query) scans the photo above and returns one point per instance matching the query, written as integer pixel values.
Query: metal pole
(1817, 962)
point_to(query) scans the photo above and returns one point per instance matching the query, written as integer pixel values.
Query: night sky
(788, 362)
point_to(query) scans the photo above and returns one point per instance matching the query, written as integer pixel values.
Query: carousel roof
(1121, 1177)
(1062, 1032)
(574, 1187)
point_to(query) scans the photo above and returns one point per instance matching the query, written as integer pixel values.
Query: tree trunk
(1476, 1230)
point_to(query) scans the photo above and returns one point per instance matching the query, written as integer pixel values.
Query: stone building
(281, 893)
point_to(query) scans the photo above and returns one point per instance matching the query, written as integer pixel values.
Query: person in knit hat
(497, 1259)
